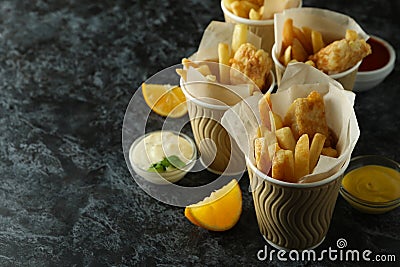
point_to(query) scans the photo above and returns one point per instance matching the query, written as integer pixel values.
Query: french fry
(278, 161)
(285, 138)
(261, 11)
(288, 33)
(263, 108)
(239, 36)
(267, 98)
(307, 34)
(287, 55)
(283, 166)
(223, 58)
(258, 148)
(238, 10)
(302, 157)
(303, 40)
(271, 143)
(298, 51)
(289, 166)
(260, 131)
(315, 150)
(316, 40)
(182, 73)
(310, 62)
(223, 53)
(277, 120)
(188, 63)
(329, 152)
(254, 14)
(247, 6)
(272, 149)
(228, 4)
(242, 8)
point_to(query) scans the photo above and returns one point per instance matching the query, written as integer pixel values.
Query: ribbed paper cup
(291, 215)
(219, 152)
(216, 148)
(346, 78)
(262, 28)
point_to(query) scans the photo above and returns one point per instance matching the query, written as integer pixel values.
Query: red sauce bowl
(376, 66)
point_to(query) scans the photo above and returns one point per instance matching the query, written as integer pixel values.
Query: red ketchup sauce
(377, 59)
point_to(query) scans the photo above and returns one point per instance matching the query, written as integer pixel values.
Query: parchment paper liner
(332, 25)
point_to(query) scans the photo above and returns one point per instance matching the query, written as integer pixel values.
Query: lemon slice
(165, 99)
(218, 212)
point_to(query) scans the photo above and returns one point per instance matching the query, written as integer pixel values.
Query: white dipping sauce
(158, 145)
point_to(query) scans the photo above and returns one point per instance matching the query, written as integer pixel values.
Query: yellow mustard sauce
(373, 183)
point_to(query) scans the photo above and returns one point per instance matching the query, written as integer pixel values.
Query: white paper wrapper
(241, 122)
(332, 25)
(219, 32)
(298, 81)
(215, 93)
(276, 6)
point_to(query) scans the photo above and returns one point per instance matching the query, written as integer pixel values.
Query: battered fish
(255, 64)
(307, 116)
(342, 54)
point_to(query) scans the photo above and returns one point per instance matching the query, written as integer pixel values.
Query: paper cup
(346, 78)
(290, 215)
(262, 28)
(219, 153)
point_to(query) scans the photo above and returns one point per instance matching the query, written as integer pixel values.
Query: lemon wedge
(218, 212)
(165, 99)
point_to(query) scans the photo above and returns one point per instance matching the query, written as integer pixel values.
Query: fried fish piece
(307, 116)
(342, 54)
(255, 64)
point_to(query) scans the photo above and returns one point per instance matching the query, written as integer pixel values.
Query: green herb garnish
(168, 162)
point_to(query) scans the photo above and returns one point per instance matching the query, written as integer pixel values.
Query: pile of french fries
(246, 9)
(291, 159)
(298, 44)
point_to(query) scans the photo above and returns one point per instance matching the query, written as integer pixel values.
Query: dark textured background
(67, 72)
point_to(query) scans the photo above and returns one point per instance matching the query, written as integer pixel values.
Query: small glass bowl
(166, 177)
(368, 206)
(366, 80)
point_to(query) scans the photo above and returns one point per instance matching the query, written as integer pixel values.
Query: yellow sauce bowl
(371, 184)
